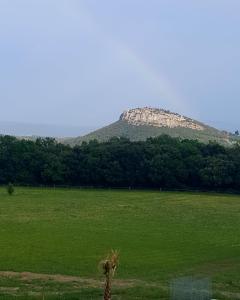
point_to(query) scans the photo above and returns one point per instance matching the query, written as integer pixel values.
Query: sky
(80, 63)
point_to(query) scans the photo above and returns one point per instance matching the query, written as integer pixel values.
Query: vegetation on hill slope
(122, 128)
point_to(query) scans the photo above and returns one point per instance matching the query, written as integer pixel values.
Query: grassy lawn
(160, 236)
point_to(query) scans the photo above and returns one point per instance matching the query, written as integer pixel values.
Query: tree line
(161, 162)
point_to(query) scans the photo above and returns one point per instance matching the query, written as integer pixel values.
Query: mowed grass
(160, 235)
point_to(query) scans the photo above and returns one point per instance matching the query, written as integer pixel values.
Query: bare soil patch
(86, 282)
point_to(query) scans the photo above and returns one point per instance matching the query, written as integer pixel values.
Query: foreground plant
(10, 189)
(109, 266)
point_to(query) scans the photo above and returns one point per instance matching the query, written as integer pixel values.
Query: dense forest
(161, 162)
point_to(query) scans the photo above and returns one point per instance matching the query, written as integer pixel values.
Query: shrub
(10, 189)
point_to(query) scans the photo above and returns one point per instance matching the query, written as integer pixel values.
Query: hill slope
(142, 123)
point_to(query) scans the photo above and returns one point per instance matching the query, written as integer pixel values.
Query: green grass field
(160, 236)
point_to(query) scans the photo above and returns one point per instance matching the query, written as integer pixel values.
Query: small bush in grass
(109, 266)
(10, 189)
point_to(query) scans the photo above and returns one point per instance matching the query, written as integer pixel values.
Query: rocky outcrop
(158, 118)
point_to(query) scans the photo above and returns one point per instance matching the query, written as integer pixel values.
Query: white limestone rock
(158, 118)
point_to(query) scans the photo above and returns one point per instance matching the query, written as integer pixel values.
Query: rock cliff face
(158, 118)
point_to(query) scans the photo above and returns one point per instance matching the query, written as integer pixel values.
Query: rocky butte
(139, 124)
(158, 118)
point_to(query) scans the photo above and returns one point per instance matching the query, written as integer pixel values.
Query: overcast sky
(82, 62)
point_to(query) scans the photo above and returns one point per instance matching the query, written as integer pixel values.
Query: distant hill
(141, 123)
(32, 131)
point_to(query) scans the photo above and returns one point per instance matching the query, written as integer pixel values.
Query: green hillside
(122, 128)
